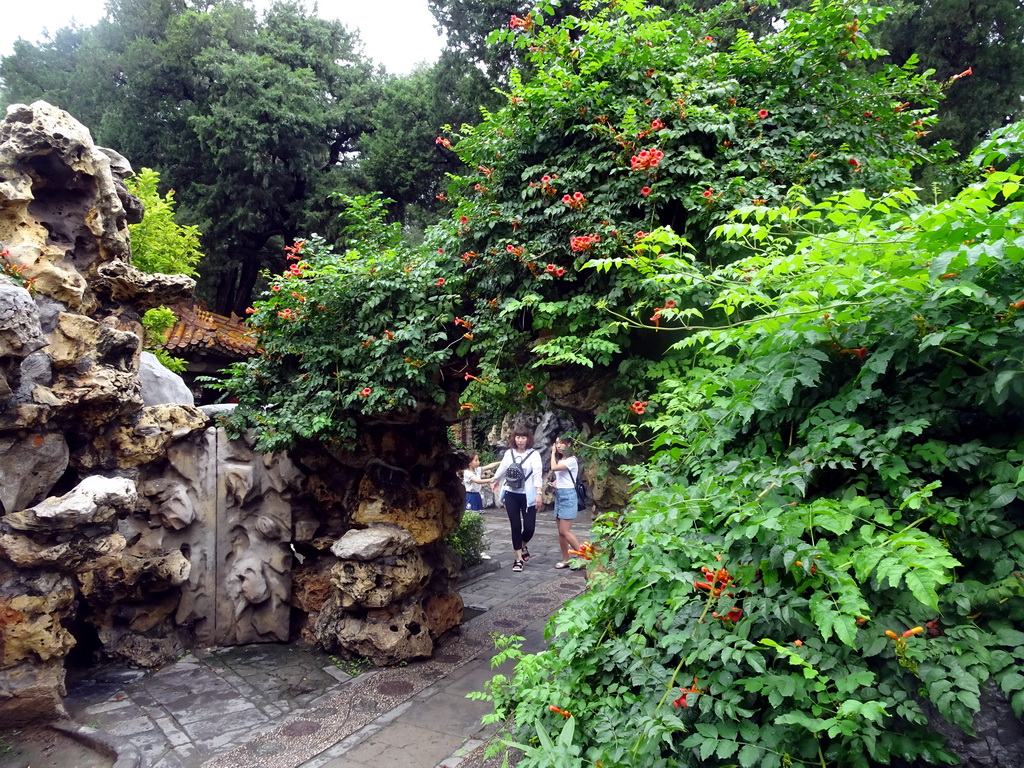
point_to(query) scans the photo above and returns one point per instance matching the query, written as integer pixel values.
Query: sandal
(526, 554)
(561, 565)
(517, 566)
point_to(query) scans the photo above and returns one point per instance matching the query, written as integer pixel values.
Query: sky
(396, 33)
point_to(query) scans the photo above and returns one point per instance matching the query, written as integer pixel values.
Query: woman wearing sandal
(521, 474)
(566, 468)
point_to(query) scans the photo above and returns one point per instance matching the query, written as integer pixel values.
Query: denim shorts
(565, 504)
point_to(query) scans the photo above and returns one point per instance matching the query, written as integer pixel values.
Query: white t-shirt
(562, 477)
(532, 468)
(467, 481)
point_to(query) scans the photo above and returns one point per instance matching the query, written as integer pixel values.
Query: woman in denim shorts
(567, 469)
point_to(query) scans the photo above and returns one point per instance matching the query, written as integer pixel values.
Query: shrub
(829, 530)
(469, 539)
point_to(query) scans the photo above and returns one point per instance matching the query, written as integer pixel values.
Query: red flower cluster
(645, 191)
(528, 387)
(576, 201)
(707, 193)
(514, 250)
(716, 582)
(293, 250)
(525, 24)
(656, 124)
(555, 270)
(443, 142)
(638, 407)
(440, 281)
(546, 186)
(584, 242)
(365, 392)
(762, 113)
(586, 551)
(647, 160)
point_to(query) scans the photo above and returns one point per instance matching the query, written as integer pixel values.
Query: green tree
(955, 36)
(399, 153)
(160, 245)
(249, 119)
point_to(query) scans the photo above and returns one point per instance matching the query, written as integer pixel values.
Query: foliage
(637, 133)
(157, 322)
(469, 539)
(986, 39)
(161, 245)
(254, 118)
(370, 331)
(829, 529)
(399, 157)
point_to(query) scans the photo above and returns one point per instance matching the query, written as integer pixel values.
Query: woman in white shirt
(519, 488)
(567, 471)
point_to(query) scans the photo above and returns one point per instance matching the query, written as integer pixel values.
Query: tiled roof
(203, 333)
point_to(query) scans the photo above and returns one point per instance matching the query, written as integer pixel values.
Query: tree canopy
(254, 120)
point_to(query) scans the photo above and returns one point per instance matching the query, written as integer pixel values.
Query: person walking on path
(566, 468)
(521, 476)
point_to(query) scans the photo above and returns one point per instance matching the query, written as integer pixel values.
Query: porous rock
(378, 583)
(373, 542)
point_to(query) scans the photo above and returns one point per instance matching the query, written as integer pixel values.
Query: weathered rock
(133, 578)
(428, 514)
(160, 385)
(80, 552)
(30, 465)
(140, 439)
(381, 582)
(443, 612)
(373, 542)
(123, 283)
(999, 739)
(62, 211)
(33, 644)
(20, 332)
(385, 636)
(95, 501)
(311, 585)
(138, 650)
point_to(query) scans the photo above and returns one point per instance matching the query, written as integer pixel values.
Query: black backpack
(514, 476)
(581, 491)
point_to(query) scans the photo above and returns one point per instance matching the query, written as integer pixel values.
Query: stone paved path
(279, 706)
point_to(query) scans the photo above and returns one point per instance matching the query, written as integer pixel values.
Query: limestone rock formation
(126, 509)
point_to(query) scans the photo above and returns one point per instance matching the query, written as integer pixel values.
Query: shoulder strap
(523, 463)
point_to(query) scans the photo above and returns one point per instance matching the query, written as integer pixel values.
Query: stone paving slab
(281, 706)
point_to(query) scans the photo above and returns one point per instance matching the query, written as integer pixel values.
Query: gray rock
(94, 500)
(20, 333)
(30, 465)
(373, 542)
(161, 385)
